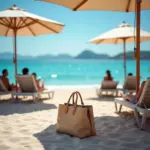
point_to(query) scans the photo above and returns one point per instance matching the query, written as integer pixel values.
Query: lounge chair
(28, 88)
(3, 90)
(107, 86)
(129, 85)
(143, 105)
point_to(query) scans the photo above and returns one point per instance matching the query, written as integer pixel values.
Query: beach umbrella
(124, 33)
(18, 22)
(112, 5)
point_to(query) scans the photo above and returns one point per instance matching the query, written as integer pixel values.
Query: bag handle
(73, 102)
(75, 106)
(79, 94)
(71, 96)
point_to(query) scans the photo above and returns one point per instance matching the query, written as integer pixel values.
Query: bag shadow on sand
(111, 131)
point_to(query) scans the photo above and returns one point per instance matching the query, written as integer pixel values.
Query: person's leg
(43, 86)
(127, 97)
(133, 99)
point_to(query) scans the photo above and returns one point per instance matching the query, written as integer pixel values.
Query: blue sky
(81, 26)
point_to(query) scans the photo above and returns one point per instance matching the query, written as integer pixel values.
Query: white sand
(29, 126)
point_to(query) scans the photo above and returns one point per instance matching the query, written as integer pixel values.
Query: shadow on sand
(113, 133)
(21, 108)
(109, 99)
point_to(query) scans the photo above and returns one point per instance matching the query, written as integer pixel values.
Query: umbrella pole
(124, 48)
(15, 54)
(138, 45)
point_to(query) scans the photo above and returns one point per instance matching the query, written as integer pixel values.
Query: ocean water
(76, 72)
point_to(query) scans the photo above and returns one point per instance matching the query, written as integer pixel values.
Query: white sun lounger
(107, 86)
(28, 87)
(3, 90)
(111, 86)
(143, 105)
(129, 85)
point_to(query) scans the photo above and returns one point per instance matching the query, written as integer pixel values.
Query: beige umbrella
(124, 33)
(17, 22)
(112, 5)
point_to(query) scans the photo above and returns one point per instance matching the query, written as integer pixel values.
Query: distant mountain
(130, 55)
(87, 54)
(44, 57)
(60, 56)
(64, 56)
(8, 56)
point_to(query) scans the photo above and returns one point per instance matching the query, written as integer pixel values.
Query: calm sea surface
(76, 72)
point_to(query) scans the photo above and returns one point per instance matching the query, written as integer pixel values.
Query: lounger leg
(116, 106)
(116, 93)
(120, 108)
(39, 96)
(49, 95)
(124, 91)
(106, 92)
(15, 99)
(99, 92)
(34, 99)
(52, 94)
(12, 96)
(136, 113)
(143, 121)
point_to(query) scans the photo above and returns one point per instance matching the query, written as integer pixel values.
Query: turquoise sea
(75, 72)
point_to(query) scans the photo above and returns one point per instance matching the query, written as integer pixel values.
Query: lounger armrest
(124, 102)
(24, 94)
(40, 92)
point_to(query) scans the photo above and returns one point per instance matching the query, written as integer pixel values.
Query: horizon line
(72, 55)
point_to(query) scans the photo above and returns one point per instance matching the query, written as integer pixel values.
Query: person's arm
(42, 85)
(38, 84)
(9, 86)
(105, 78)
(127, 97)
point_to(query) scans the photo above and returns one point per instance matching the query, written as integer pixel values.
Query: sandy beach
(29, 126)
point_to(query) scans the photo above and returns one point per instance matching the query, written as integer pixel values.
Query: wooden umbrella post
(124, 49)
(138, 9)
(15, 55)
(15, 51)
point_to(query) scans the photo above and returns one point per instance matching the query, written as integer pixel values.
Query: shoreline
(81, 86)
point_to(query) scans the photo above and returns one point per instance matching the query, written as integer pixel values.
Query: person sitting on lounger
(5, 80)
(108, 76)
(130, 74)
(133, 98)
(40, 87)
(25, 71)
